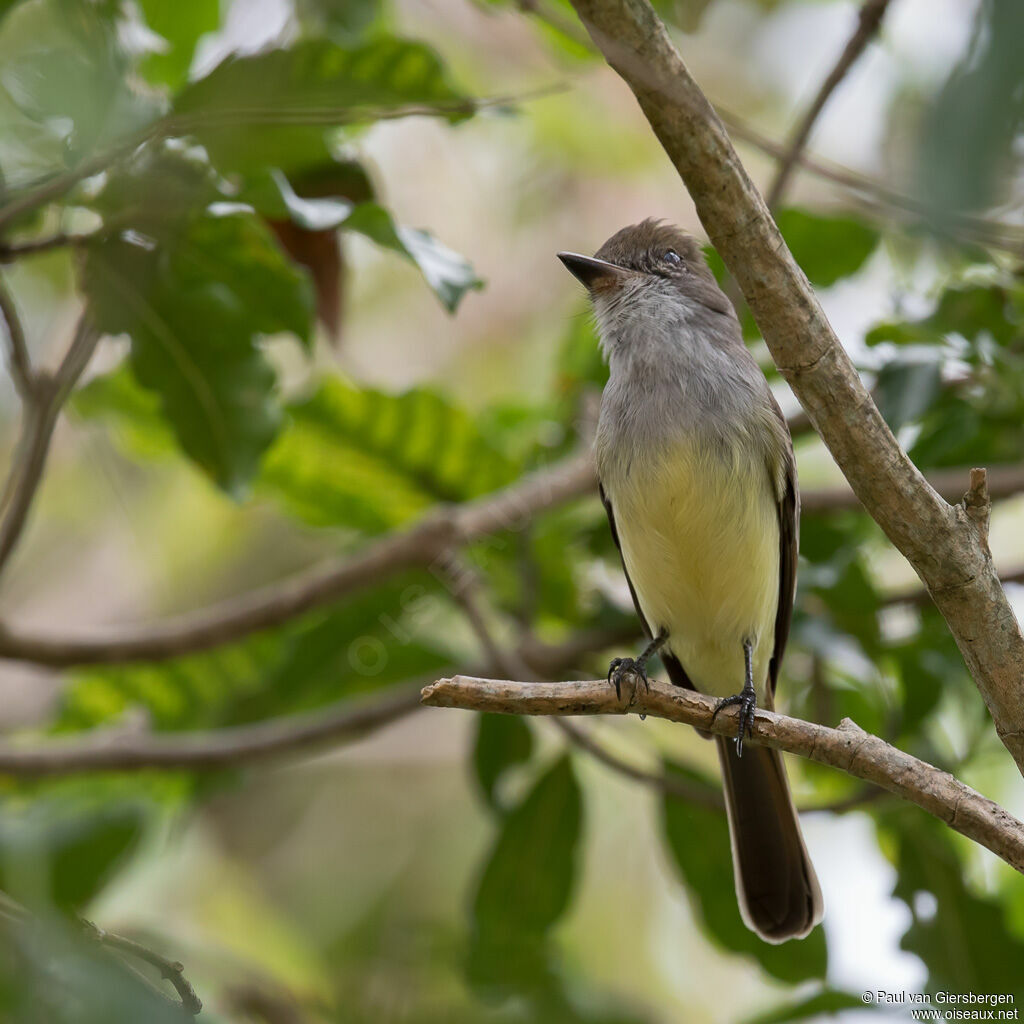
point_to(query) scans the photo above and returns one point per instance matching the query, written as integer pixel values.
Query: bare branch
(170, 970)
(869, 21)
(345, 721)
(206, 749)
(678, 788)
(879, 198)
(39, 193)
(1003, 482)
(18, 357)
(938, 539)
(270, 606)
(847, 748)
(16, 250)
(39, 420)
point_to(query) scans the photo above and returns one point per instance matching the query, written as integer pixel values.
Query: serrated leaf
(194, 302)
(827, 248)
(502, 742)
(370, 461)
(698, 841)
(272, 109)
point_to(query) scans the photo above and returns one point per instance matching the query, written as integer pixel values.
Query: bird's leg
(622, 667)
(746, 698)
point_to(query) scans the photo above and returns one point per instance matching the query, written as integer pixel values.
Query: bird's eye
(671, 256)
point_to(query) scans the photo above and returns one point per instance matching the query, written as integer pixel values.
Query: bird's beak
(590, 272)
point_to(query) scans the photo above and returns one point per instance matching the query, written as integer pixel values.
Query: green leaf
(132, 410)
(905, 389)
(827, 1002)
(181, 23)
(961, 936)
(502, 742)
(195, 301)
(54, 972)
(970, 128)
(827, 248)
(341, 20)
(63, 848)
(64, 71)
(698, 841)
(528, 879)
(272, 109)
(388, 634)
(371, 461)
(448, 274)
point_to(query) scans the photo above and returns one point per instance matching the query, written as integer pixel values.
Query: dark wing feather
(789, 533)
(673, 667)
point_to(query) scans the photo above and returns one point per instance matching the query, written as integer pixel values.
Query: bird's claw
(747, 701)
(623, 668)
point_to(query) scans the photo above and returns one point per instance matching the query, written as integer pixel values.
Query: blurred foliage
(217, 233)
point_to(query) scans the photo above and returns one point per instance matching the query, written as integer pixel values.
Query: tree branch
(38, 422)
(170, 970)
(106, 750)
(270, 606)
(938, 539)
(206, 749)
(18, 358)
(16, 250)
(847, 748)
(1003, 482)
(869, 21)
(879, 197)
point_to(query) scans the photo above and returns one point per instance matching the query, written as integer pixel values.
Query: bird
(698, 479)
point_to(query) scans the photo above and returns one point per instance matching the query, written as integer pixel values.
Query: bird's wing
(673, 666)
(788, 509)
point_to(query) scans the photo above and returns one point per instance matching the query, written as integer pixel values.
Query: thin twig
(344, 721)
(967, 227)
(669, 785)
(204, 750)
(847, 748)
(869, 20)
(18, 357)
(16, 250)
(38, 424)
(170, 970)
(420, 546)
(1003, 482)
(270, 606)
(977, 502)
(38, 193)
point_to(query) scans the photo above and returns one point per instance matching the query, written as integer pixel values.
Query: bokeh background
(447, 867)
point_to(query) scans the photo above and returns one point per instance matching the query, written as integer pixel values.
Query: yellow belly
(700, 541)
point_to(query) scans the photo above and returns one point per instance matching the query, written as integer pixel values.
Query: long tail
(776, 886)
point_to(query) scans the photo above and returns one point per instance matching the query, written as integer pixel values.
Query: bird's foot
(747, 701)
(633, 670)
